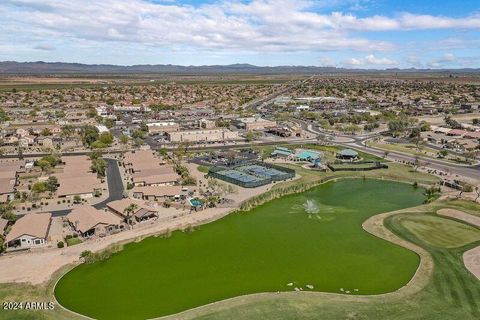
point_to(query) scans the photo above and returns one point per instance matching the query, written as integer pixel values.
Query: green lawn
(73, 241)
(203, 169)
(395, 171)
(441, 232)
(313, 238)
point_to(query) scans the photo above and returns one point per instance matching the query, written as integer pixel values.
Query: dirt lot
(438, 120)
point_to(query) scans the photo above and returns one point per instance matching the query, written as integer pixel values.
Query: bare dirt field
(438, 120)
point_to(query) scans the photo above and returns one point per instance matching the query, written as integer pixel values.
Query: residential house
(141, 211)
(155, 193)
(77, 178)
(88, 221)
(29, 231)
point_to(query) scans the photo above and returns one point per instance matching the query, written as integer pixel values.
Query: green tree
(99, 166)
(124, 139)
(68, 131)
(91, 112)
(89, 135)
(52, 184)
(109, 123)
(59, 114)
(98, 145)
(138, 134)
(39, 187)
(46, 163)
(249, 136)
(3, 115)
(106, 138)
(129, 211)
(443, 153)
(7, 212)
(46, 132)
(162, 152)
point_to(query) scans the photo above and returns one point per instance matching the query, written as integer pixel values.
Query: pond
(311, 241)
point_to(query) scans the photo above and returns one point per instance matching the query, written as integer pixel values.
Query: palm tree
(129, 211)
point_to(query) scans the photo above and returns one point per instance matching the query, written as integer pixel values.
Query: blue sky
(344, 33)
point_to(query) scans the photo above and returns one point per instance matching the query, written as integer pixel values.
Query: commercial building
(131, 109)
(206, 124)
(162, 127)
(253, 123)
(213, 135)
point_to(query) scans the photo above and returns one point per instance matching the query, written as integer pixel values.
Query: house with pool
(195, 204)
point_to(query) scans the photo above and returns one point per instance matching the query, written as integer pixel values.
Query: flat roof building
(254, 123)
(213, 135)
(162, 127)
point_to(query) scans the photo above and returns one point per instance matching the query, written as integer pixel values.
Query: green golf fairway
(314, 238)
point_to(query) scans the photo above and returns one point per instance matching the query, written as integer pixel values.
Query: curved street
(115, 188)
(358, 142)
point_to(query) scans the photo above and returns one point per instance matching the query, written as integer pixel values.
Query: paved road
(115, 184)
(115, 188)
(469, 172)
(358, 142)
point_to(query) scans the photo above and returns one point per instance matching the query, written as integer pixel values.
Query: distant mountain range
(40, 67)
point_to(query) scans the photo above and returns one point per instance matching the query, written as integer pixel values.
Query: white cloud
(414, 61)
(353, 62)
(442, 61)
(448, 57)
(370, 61)
(327, 62)
(259, 25)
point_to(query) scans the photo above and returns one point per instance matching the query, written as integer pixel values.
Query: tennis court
(252, 175)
